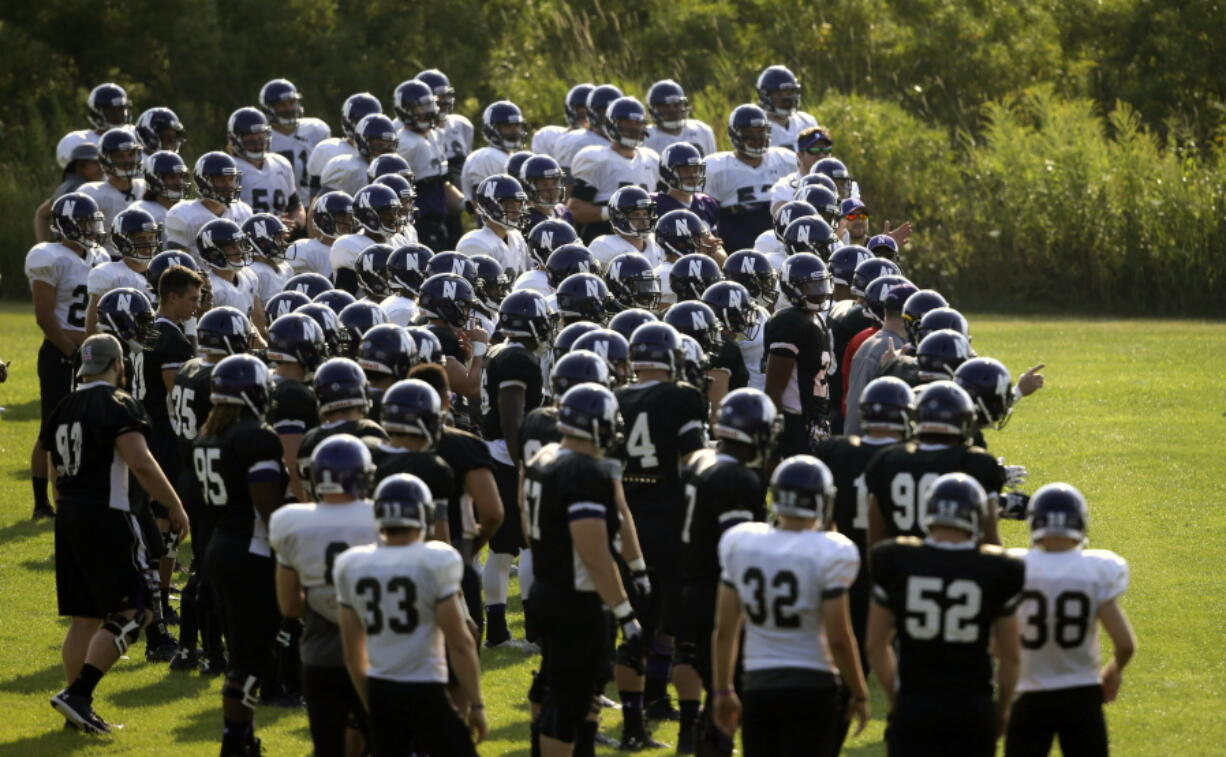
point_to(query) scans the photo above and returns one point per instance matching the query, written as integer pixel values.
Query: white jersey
(536, 280)
(480, 165)
(270, 279)
(269, 187)
(153, 208)
(782, 578)
(784, 190)
(512, 253)
(326, 150)
(111, 200)
(184, 220)
(55, 264)
(785, 135)
(423, 152)
(603, 169)
(570, 143)
(768, 243)
(545, 139)
(693, 131)
(1059, 614)
(346, 172)
(457, 135)
(308, 538)
(667, 295)
(73, 140)
(753, 349)
(399, 309)
(733, 182)
(114, 275)
(608, 246)
(297, 146)
(345, 250)
(241, 294)
(396, 591)
(309, 256)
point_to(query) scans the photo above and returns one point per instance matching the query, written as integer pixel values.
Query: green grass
(1133, 414)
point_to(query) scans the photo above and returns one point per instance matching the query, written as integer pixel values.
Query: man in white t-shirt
(779, 95)
(268, 183)
(119, 152)
(501, 204)
(217, 181)
(740, 180)
(107, 107)
(545, 139)
(598, 172)
(294, 136)
(505, 131)
(355, 108)
(632, 217)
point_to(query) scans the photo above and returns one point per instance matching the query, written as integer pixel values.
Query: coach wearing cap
(82, 167)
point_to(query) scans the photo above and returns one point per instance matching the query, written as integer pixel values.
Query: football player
(269, 239)
(166, 182)
(592, 132)
(572, 514)
(502, 205)
(386, 353)
(137, 238)
(789, 581)
(723, 488)
(58, 273)
(665, 418)
(600, 170)
(545, 183)
(1069, 591)
(752, 270)
(412, 414)
(341, 387)
(106, 107)
(406, 271)
(355, 108)
(160, 130)
(779, 95)
(268, 182)
(740, 180)
(120, 155)
(381, 217)
(682, 234)
(446, 302)
(771, 242)
(457, 129)
(296, 347)
(308, 538)
(420, 142)
(798, 358)
(670, 112)
(884, 300)
(293, 136)
(373, 136)
(332, 218)
(685, 175)
(545, 139)
(632, 216)
(505, 132)
(95, 437)
(402, 621)
(900, 477)
(949, 604)
(218, 182)
(237, 460)
(227, 251)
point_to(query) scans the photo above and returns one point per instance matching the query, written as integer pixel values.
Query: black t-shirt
(464, 453)
(797, 334)
(663, 423)
(720, 492)
(247, 452)
(847, 318)
(729, 358)
(448, 341)
(559, 487)
(292, 407)
(375, 395)
(363, 428)
(540, 427)
(80, 434)
(434, 472)
(944, 603)
(900, 475)
(171, 351)
(189, 398)
(509, 364)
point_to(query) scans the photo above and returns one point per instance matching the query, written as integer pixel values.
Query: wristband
(637, 565)
(623, 611)
(479, 349)
(604, 213)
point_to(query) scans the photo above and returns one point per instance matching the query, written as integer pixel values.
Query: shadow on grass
(57, 741)
(46, 681)
(40, 564)
(205, 724)
(26, 411)
(164, 691)
(25, 529)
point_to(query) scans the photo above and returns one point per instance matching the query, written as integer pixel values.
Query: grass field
(1133, 414)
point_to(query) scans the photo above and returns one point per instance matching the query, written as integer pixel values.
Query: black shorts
(245, 594)
(331, 705)
(787, 722)
(1073, 715)
(165, 450)
(695, 622)
(575, 643)
(933, 725)
(101, 562)
(408, 717)
(54, 377)
(794, 438)
(509, 538)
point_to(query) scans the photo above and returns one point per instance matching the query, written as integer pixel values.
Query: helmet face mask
(754, 140)
(123, 164)
(546, 191)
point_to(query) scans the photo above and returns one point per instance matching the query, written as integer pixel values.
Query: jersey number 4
(945, 610)
(638, 443)
(404, 620)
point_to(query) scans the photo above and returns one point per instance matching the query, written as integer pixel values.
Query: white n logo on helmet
(734, 298)
(69, 207)
(1002, 385)
(541, 309)
(785, 216)
(682, 228)
(747, 265)
(547, 239)
(364, 199)
(449, 289)
(601, 347)
(125, 302)
(236, 323)
(615, 269)
(491, 189)
(802, 233)
(592, 290)
(698, 320)
(457, 267)
(695, 268)
(206, 239)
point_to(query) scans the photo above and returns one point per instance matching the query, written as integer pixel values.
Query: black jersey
(848, 457)
(509, 364)
(292, 408)
(663, 423)
(375, 395)
(728, 357)
(171, 351)
(847, 318)
(448, 342)
(363, 428)
(190, 403)
(899, 477)
(464, 453)
(80, 434)
(798, 334)
(540, 427)
(433, 470)
(247, 452)
(720, 492)
(561, 486)
(944, 602)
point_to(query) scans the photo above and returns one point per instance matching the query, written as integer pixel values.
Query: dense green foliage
(1036, 144)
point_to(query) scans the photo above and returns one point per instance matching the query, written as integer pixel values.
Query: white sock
(495, 578)
(525, 574)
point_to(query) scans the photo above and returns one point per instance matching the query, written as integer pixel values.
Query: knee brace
(126, 630)
(243, 687)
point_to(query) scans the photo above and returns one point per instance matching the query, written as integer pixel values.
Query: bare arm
(462, 652)
(135, 452)
(876, 523)
(880, 653)
(720, 378)
(591, 540)
(259, 319)
(91, 315)
(353, 639)
(480, 485)
(728, 622)
(42, 222)
(1006, 643)
(631, 550)
(836, 618)
(290, 443)
(1124, 642)
(991, 523)
(465, 380)
(778, 371)
(290, 597)
(44, 315)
